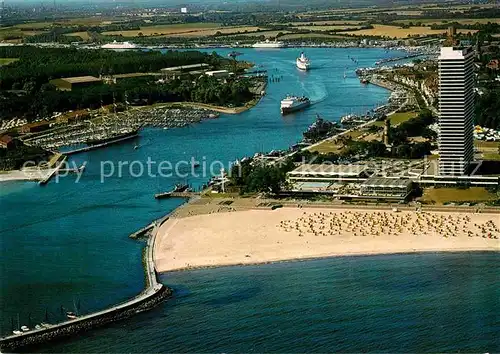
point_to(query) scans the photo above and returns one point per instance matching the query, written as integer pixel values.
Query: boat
(119, 45)
(269, 44)
(303, 62)
(24, 328)
(179, 188)
(16, 332)
(71, 315)
(293, 103)
(115, 137)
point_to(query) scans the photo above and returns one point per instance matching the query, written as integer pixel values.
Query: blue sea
(66, 245)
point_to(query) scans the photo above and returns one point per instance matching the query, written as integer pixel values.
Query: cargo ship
(293, 103)
(303, 62)
(269, 44)
(119, 45)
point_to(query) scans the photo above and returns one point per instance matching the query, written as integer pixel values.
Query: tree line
(37, 66)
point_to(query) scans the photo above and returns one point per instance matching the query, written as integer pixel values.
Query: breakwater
(152, 295)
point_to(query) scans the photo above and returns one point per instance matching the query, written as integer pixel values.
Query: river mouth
(70, 241)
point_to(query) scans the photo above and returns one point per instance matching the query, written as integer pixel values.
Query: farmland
(309, 35)
(183, 30)
(399, 32)
(267, 34)
(328, 27)
(464, 21)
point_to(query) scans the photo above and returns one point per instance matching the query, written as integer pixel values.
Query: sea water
(65, 246)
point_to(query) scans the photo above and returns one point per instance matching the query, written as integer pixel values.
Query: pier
(53, 172)
(171, 194)
(98, 146)
(152, 295)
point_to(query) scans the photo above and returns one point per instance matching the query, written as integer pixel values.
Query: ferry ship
(119, 45)
(303, 62)
(269, 44)
(293, 103)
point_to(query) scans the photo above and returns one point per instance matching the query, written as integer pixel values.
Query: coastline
(235, 237)
(334, 255)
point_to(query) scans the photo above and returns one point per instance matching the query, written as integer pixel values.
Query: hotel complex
(456, 110)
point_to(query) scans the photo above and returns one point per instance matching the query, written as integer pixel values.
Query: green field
(491, 157)
(448, 195)
(7, 61)
(398, 118)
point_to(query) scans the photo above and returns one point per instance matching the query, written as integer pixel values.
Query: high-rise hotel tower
(456, 110)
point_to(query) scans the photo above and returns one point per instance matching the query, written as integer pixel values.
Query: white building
(184, 10)
(456, 110)
(218, 73)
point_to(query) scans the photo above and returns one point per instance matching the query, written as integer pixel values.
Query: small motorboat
(24, 328)
(71, 315)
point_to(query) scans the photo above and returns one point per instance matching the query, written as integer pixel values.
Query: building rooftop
(327, 170)
(383, 182)
(450, 53)
(183, 67)
(80, 79)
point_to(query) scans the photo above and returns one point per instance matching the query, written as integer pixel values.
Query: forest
(37, 66)
(47, 100)
(27, 91)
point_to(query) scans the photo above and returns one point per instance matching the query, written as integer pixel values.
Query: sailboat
(17, 331)
(73, 315)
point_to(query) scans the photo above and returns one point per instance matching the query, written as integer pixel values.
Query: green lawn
(326, 147)
(491, 157)
(7, 61)
(447, 195)
(398, 118)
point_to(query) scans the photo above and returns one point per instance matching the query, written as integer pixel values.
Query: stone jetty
(152, 295)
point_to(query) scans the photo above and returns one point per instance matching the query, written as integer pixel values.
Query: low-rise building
(70, 83)
(6, 142)
(34, 127)
(386, 188)
(329, 173)
(494, 64)
(218, 73)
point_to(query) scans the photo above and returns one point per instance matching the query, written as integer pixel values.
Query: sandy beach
(21, 175)
(259, 236)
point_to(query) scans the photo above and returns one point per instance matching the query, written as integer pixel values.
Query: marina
(116, 276)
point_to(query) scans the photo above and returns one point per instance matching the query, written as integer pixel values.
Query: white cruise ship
(293, 103)
(303, 62)
(119, 45)
(269, 44)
